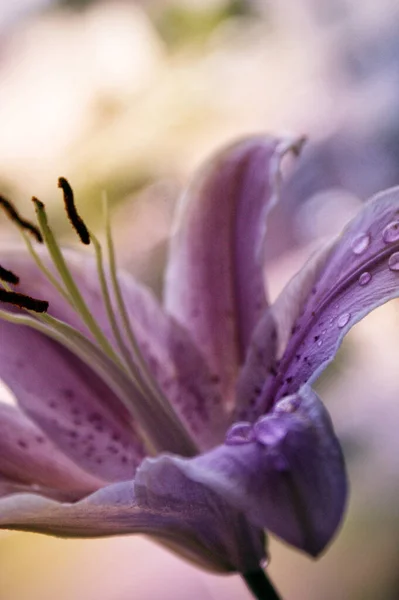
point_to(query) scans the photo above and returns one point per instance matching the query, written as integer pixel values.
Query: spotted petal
(337, 288)
(270, 339)
(174, 361)
(214, 283)
(76, 409)
(288, 476)
(28, 458)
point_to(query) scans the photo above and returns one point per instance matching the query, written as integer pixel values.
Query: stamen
(110, 312)
(147, 378)
(8, 276)
(13, 214)
(45, 271)
(23, 301)
(76, 220)
(70, 285)
(126, 374)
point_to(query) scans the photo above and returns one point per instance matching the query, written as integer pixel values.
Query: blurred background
(129, 97)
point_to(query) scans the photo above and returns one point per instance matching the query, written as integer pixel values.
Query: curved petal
(201, 531)
(28, 457)
(174, 361)
(214, 283)
(336, 289)
(290, 479)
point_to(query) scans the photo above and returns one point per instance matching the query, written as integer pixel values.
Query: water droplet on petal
(268, 430)
(365, 278)
(360, 243)
(319, 343)
(239, 433)
(391, 232)
(288, 404)
(393, 262)
(343, 320)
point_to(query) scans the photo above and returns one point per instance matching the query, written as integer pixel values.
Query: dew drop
(391, 232)
(365, 278)
(239, 433)
(393, 262)
(360, 243)
(343, 320)
(319, 343)
(287, 405)
(269, 430)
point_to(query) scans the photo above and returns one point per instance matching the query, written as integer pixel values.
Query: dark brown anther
(23, 301)
(76, 220)
(13, 214)
(8, 276)
(38, 203)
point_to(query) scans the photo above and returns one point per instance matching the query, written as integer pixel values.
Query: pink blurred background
(130, 97)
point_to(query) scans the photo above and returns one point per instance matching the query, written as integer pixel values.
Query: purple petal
(174, 361)
(290, 481)
(214, 283)
(78, 412)
(177, 365)
(201, 531)
(28, 457)
(258, 367)
(336, 289)
(359, 275)
(161, 485)
(271, 337)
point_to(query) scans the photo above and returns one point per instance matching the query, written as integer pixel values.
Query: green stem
(260, 586)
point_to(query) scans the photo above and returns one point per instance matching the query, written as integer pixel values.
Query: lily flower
(193, 422)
